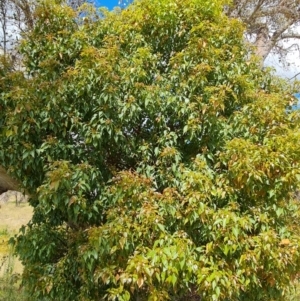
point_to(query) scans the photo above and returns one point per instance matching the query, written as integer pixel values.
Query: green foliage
(161, 161)
(294, 294)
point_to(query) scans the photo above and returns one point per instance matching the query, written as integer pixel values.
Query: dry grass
(12, 217)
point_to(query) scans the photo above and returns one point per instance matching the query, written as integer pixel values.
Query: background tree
(5, 8)
(160, 159)
(270, 24)
(16, 17)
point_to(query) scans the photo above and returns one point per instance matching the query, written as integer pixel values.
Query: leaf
(72, 200)
(161, 227)
(236, 231)
(185, 129)
(54, 185)
(140, 281)
(285, 242)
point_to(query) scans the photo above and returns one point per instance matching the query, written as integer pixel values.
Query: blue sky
(110, 4)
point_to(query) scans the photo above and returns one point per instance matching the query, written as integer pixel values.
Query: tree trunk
(7, 182)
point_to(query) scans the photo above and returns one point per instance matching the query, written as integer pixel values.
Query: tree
(16, 16)
(270, 24)
(4, 23)
(160, 159)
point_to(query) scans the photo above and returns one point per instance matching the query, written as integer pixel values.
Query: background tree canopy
(160, 159)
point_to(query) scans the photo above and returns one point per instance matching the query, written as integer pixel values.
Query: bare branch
(290, 36)
(294, 76)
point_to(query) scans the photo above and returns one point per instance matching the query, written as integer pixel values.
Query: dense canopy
(160, 159)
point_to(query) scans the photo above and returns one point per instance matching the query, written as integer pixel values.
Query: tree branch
(294, 76)
(290, 36)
